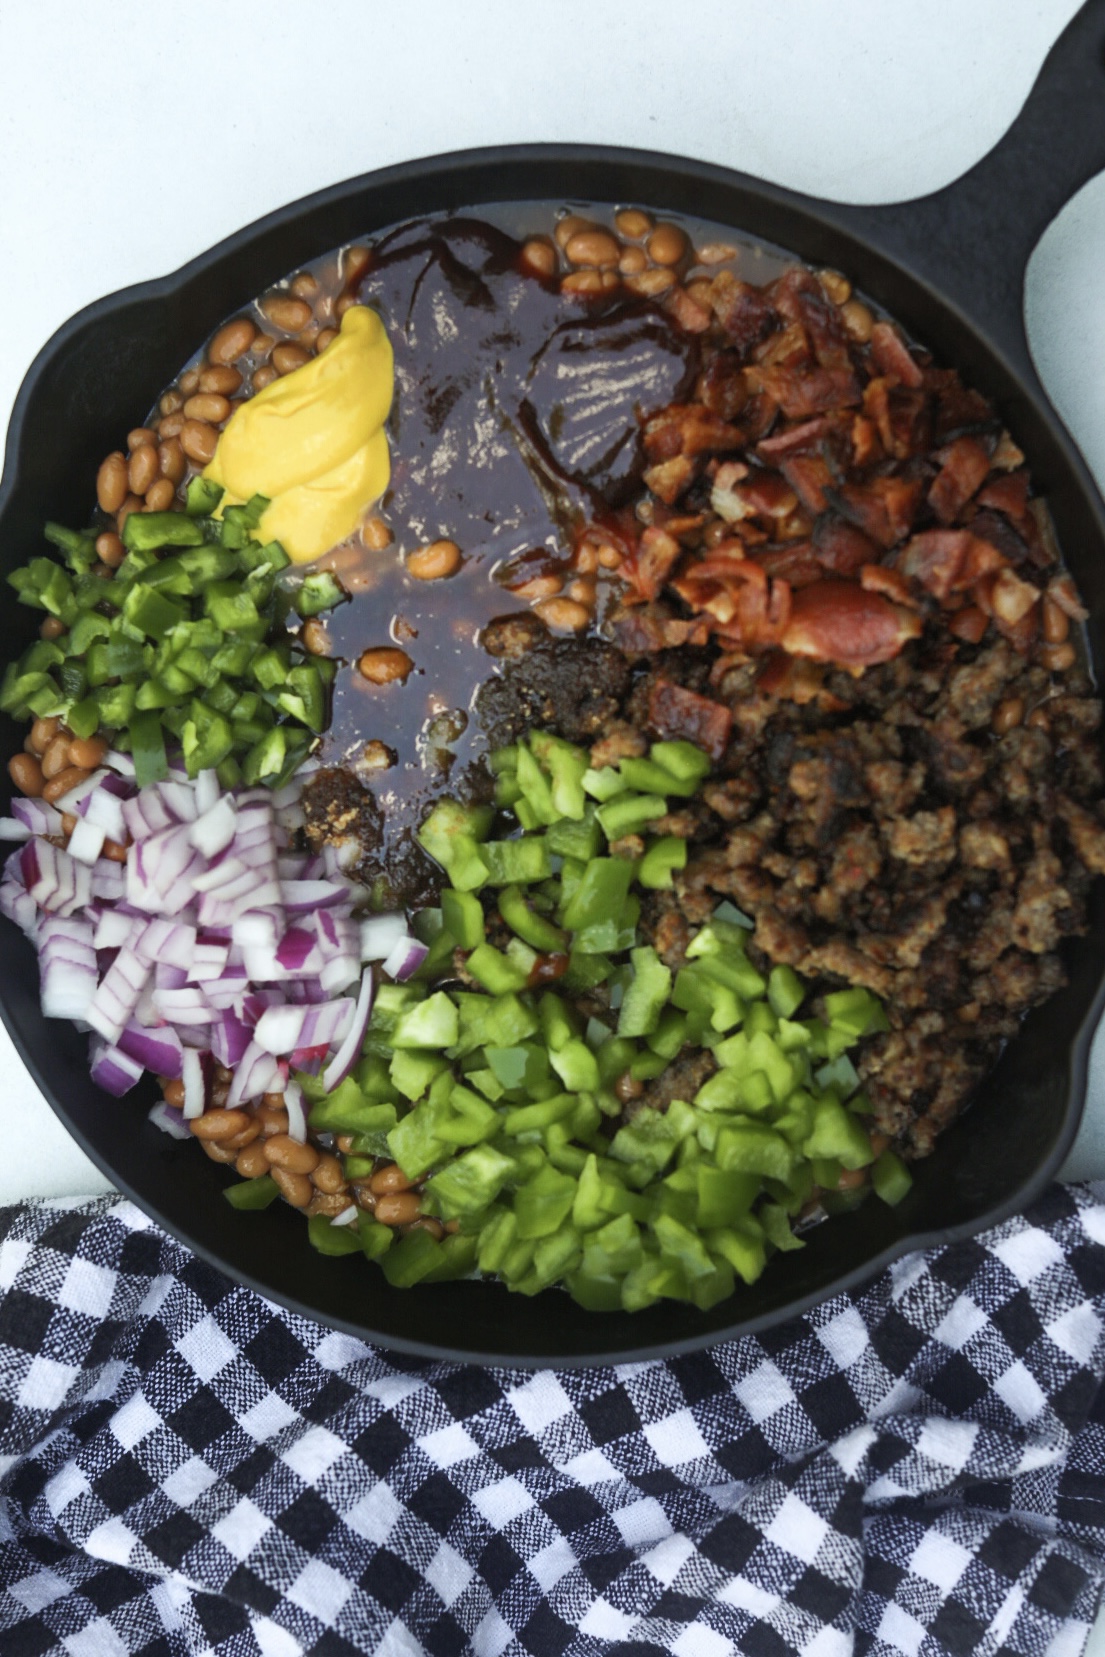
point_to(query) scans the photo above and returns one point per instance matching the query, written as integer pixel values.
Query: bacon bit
(876, 578)
(750, 612)
(797, 679)
(841, 548)
(802, 392)
(958, 409)
(1008, 494)
(743, 312)
(964, 467)
(1007, 457)
(795, 565)
(969, 624)
(647, 568)
(721, 386)
(675, 712)
(949, 560)
(1022, 634)
(1061, 591)
(670, 478)
(766, 495)
(809, 477)
(723, 496)
(865, 440)
(838, 621)
(796, 440)
(1011, 598)
(639, 632)
(687, 313)
(687, 429)
(783, 350)
(799, 297)
(892, 356)
(884, 508)
(876, 407)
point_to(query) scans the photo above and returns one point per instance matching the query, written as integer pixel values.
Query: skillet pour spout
(950, 267)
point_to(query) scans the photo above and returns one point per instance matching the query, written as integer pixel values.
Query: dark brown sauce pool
(515, 422)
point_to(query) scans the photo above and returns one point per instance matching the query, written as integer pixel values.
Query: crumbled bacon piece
(884, 508)
(743, 312)
(842, 548)
(801, 392)
(964, 466)
(676, 712)
(1008, 494)
(949, 560)
(892, 355)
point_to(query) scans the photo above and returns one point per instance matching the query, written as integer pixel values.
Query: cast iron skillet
(950, 267)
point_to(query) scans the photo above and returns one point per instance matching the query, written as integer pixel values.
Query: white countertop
(131, 138)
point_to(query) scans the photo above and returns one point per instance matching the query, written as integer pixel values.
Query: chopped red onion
(12, 829)
(380, 934)
(112, 1069)
(407, 956)
(347, 1215)
(106, 811)
(349, 1051)
(157, 1050)
(169, 1120)
(86, 841)
(297, 1112)
(198, 1071)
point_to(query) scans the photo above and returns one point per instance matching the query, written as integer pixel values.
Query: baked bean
(248, 1134)
(286, 312)
(174, 1093)
(273, 1118)
(111, 483)
(232, 341)
(715, 253)
(139, 437)
(593, 247)
(666, 245)
(851, 1179)
(375, 534)
(581, 281)
(252, 1162)
(345, 303)
(262, 347)
(538, 257)
(1007, 715)
(538, 586)
(190, 381)
(1055, 623)
(52, 628)
(611, 279)
(563, 614)
(59, 786)
(354, 262)
(221, 379)
(104, 572)
(26, 773)
(209, 406)
(69, 821)
(218, 1151)
(287, 357)
(857, 319)
(285, 1152)
(159, 496)
(264, 376)
(386, 1181)
(399, 1209)
(838, 287)
(87, 751)
(56, 757)
(114, 851)
(1056, 657)
(110, 549)
(330, 1203)
(294, 1188)
(315, 637)
(633, 261)
(567, 228)
(198, 440)
(171, 426)
(651, 282)
(328, 1174)
(452, 1227)
(435, 562)
(582, 590)
(879, 1142)
(325, 338)
(632, 222)
(43, 732)
(143, 468)
(133, 503)
(309, 335)
(383, 666)
(344, 1143)
(426, 1222)
(219, 1124)
(362, 1196)
(304, 286)
(1038, 719)
(170, 403)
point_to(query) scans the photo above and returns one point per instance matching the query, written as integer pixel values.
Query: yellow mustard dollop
(314, 442)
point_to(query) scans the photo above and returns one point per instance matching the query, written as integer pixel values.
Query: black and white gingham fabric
(185, 1469)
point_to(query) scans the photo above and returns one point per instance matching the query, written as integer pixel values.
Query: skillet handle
(971, 241)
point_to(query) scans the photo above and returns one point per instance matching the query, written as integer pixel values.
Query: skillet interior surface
(96, 377)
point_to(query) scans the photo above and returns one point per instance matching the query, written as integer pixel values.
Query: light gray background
(134, 136)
